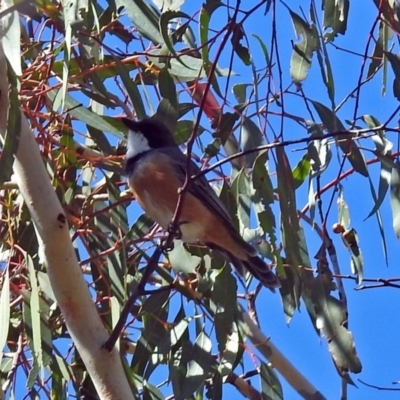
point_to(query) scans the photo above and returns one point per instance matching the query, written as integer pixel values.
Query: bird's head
(147, 134)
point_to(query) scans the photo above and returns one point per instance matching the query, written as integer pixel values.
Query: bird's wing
(201, 189)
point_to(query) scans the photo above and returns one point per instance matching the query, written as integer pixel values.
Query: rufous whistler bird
(156, 169)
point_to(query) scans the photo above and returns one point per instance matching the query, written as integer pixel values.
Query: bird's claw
(174, 229)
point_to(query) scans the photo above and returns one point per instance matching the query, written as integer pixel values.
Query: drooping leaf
(10, 31)
(199, 366)
(381, 44)
(168, 4)
(242, 51)
(84, 114)
(379, 216)
(395, 197)
(343, 210)
(34, 306)
(215, 390)
(350, 240)
(344, 140)
(271, 388)
(239, 90)
(154, 317)
(151, 392)
(263, 48)
(335, 18)
(250, 138)
(13, 129)
(331, 319)
(131, 88)
(181, 260)
(172, 336)
(290, 231)
(223, 297)
(144, 17)
(395, 63)
(242, 188)
(303, 51)
(301, 171)
(205, 16)
(167, 87)
(164, 21)
(184, 129)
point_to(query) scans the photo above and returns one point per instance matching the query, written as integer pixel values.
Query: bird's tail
(254, 264)
(260, 270)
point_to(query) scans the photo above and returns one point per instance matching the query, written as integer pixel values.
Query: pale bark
(55, 248)
(278, 360)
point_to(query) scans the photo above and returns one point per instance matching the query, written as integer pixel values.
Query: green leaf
(243, 52)
(214, 391)
(167, 113)
(154, 317)
(381, 43)
(250, 138)
(172, 336)
(223, 296)
(331, 320)
(194, 70)
(10, 37)
(35, 315)
(301, 171)
(343, 210)
(84, 114)
(350, 239)
(199, 366)
(345, 142)
(164, 21)
(378, 214)
(290, 231)
(140, 227)
(263, 49)
(144, 17)
(242, 188)
(239, 91)
(168, 4)
(232, 353)
(261, 180)
(320, 155)
(335, 17)
(183, 131)
(167, 87)
(271, 388)
(395, 197)
(204, 19)
(131, 88)
(395, 63)
(13, 129)
(303, 51)
(181, 260)
(151, 392)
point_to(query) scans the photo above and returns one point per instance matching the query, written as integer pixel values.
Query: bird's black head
(154, 131)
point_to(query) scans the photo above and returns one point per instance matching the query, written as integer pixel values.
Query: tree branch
(278, 360)
(69, 287)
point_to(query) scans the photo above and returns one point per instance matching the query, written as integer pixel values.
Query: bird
(155, 168)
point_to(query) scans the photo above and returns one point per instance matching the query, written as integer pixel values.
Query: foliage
(236, 103)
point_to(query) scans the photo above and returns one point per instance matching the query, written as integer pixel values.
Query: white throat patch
(137, 144)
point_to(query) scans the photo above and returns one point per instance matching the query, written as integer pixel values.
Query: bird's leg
(174, 229)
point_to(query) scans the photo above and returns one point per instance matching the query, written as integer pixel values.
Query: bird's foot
(174, 229)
